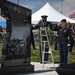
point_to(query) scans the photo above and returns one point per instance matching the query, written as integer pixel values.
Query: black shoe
(60, 65)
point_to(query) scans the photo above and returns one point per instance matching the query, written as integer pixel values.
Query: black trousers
(70, 47)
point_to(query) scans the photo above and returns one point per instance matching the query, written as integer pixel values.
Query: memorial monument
(16, 50)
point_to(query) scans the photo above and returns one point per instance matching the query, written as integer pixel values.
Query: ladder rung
(43, 35)
(46, 52)
(44, 41)
(48, 62)
(42, 28)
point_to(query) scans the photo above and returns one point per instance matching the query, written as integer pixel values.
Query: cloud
(32, 5)
(62, 6)
(68, 6)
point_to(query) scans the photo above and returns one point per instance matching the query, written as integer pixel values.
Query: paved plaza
(48, 69)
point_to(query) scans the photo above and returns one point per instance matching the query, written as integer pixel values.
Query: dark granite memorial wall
(16, 48)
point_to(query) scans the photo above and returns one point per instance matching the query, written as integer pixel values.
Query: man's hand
(40, 21)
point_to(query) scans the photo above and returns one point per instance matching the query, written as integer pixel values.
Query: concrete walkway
(48, 69)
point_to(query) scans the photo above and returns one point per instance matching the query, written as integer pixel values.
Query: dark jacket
(63, 35)
(48, 24)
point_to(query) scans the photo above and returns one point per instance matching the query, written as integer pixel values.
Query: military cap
(44, 16)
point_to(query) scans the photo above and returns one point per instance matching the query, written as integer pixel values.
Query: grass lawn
(35, 56)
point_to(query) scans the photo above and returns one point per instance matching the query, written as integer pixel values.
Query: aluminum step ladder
(43, 33)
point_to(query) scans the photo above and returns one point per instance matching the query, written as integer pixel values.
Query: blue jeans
(63, 53)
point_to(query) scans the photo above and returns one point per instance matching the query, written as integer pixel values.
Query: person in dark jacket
(43, 22)
(63, 37)
(71, 39)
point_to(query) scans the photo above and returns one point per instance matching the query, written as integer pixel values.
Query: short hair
(63, 20)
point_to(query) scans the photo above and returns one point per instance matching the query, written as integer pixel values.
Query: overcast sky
(62, 6)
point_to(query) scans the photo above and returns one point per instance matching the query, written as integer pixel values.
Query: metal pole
(62, 6)
(18, 2)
